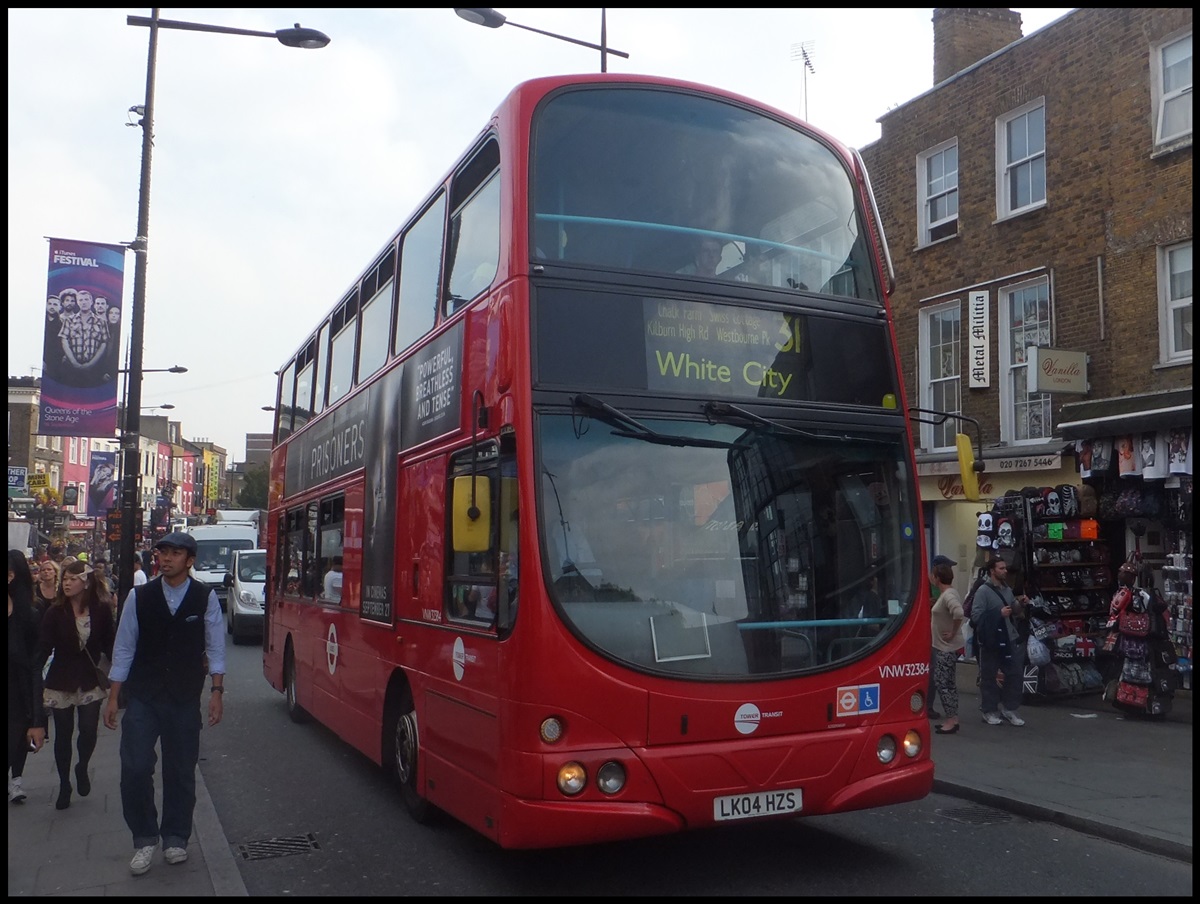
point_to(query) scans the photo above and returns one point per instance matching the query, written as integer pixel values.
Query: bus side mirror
(968, 467)
(471, 524)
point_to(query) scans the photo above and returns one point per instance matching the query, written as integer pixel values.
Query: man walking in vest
(167, 628)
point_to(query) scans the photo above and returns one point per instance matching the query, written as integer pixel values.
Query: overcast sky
(279, 173)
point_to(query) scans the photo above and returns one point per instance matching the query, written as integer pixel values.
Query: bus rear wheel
(296, 712)
(404, 757)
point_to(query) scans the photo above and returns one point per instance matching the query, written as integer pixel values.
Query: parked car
(245, 584)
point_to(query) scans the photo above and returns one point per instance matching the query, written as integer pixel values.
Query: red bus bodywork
(480, 695)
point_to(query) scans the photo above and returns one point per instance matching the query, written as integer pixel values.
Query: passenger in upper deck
(706, 257)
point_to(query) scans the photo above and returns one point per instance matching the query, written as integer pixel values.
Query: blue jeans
(991, 695)
(177, 726)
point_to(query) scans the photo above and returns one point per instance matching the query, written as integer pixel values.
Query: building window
(1175, 303)
(937, 189)
(941, 372)
(1172, 82)
(1021, 159)
(73, 451)
(1025, 321)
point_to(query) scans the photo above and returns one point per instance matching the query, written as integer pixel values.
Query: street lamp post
(130, 509)
(489, 18)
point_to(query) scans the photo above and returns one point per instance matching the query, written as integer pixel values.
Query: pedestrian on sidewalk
(46, 588)
(1001, 654)
(168, 627)
(78, 630)
(26, 715)
(946, 621)
(934, 592)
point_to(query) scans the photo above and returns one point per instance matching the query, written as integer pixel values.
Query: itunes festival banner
(102, 483)
(82, 341)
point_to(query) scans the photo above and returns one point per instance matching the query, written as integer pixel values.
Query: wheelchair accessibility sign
(858, 700)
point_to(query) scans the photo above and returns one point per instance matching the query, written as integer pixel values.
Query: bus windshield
(713, 551)
(670, 182)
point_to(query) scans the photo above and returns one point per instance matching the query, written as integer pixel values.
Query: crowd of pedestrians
(72, 658)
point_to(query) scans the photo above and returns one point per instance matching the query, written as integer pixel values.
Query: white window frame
(1175, 298)
(1014, 367)
(931, 190)
(927, 379)
(73, 450)
(1177, 96)
(1031, 161)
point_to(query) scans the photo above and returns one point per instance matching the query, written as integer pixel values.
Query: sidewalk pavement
(85, 849)
(1076, 762)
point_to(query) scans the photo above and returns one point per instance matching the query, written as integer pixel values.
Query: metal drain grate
(279, 847)
(977, 816)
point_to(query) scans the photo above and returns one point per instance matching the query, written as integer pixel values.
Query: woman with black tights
(78, 624)
(26, 717)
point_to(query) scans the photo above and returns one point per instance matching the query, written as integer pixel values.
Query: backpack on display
(1051, 684)
(1092, 679)
(1068, 500)
(1088, 503)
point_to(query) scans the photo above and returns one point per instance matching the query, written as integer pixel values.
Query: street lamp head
(174, 369)
(488, 18)
(306, 38)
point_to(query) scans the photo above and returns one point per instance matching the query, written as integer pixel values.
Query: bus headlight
(886, 749)
(572, 778)
(551, 730)
(611, 777)
(912, 743)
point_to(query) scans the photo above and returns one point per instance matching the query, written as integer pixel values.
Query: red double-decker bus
(593, 510)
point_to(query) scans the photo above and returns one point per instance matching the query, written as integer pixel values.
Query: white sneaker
(175, 855)
(992, 718)
(1012, 717)
(142, 858)
(16, 793)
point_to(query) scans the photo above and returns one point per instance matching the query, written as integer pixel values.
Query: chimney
(963, 37)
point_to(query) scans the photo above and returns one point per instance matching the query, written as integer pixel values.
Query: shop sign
(979, 349)
(1050, 462)
(39, 481)
(17, 478)
(1057, 370)
(950, 486)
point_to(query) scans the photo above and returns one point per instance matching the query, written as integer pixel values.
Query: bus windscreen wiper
(733, 414)
(634, 429)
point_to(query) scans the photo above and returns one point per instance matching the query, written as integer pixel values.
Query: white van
(215, 545)
(246, 585)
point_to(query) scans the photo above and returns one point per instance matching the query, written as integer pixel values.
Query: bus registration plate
(755, 806)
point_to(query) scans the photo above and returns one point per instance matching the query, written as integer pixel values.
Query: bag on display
(1037, 652)
(1134, 624)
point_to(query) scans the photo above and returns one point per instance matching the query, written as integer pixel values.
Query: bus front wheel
(404, 757)
(296, 712)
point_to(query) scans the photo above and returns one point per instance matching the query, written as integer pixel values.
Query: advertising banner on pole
(102, 483)
(82, 341)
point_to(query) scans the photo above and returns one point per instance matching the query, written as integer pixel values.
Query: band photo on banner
(82, 341)
(102, 483)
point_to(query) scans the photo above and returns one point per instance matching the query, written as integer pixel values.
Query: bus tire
(296, 712)
(403, 749)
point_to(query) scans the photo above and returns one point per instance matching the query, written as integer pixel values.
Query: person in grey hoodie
(1001, 655)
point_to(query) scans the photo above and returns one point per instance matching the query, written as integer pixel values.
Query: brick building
(1040, 195)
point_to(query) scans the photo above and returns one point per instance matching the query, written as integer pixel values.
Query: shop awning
(1126, 414)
